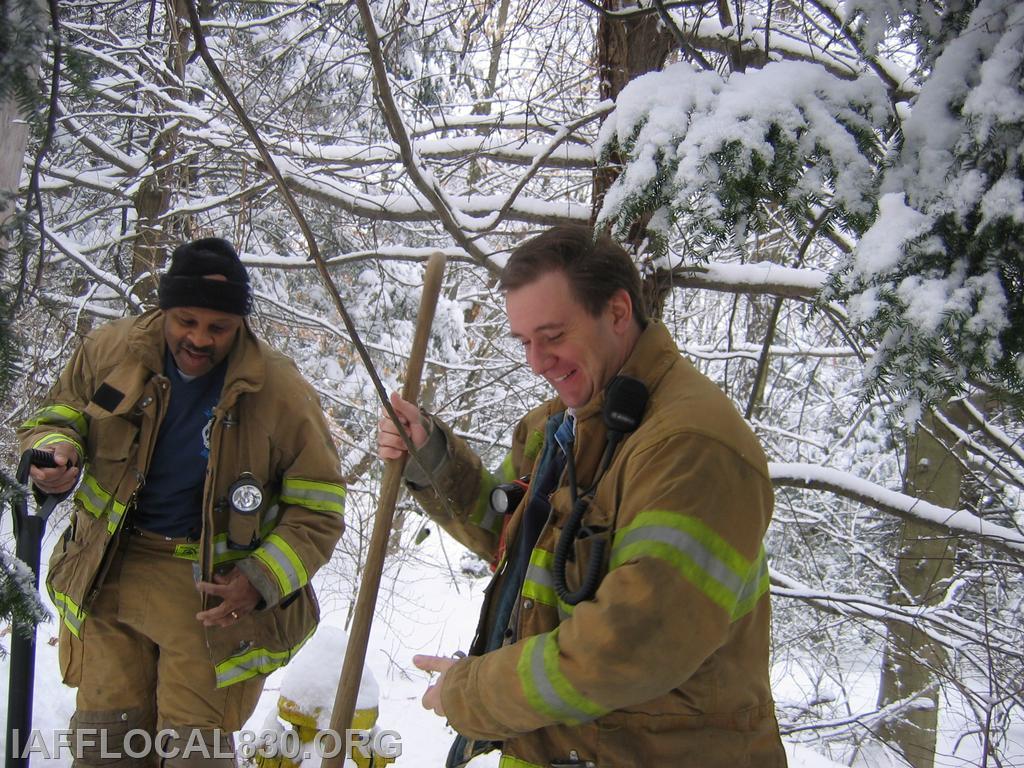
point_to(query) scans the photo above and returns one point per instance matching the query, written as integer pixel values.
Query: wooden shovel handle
(391, 483)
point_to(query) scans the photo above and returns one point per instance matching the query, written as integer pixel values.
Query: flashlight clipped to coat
(245, 498)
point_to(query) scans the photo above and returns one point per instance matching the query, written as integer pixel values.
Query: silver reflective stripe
(546, 689)
(270, 515)
(67, 610)
(74, 622)
(320, 496)
(257, 662)
(91, 496)
(280, 560)
(541, 576)
(691, 547)
(754, 586)
(114, 516)
(491, 521)
(539, 585)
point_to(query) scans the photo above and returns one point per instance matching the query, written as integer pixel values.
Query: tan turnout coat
(109, 402)
(667, 665)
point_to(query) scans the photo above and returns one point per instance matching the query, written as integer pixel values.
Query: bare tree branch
(959, 521)
(300, 219)
(445, 210)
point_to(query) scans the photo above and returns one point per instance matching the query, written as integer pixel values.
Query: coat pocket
(72, 568)
(75, 561)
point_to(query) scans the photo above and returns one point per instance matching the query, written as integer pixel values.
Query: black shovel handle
(29, 537)
(34, 457)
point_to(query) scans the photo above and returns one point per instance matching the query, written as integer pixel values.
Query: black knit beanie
(185, 284)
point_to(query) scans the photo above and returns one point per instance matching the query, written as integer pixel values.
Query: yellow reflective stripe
(507, 761)
(59, 416)
(97, 501)
(56, 437)
(222, 553)
(313, 494)
(254, 661)
(483, 515)
(278, 555)
(757, 585)
(69, 611)
(546, 687)
(93, 497)
(507, 470)
(699, 554)
(114, 516)
(187, 551)
(533, 445)
(539, 583)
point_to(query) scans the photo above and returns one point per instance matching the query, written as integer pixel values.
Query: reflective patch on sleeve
(56, 437)
(507, 470)
(92, 496)
(533, 445)
(98, 501)
(314, 494)
(757, 585)
(547, 689)
(483, 516)
(700, 556)
(254, 661)
(278, 555)
(59, 416)
(271, 516)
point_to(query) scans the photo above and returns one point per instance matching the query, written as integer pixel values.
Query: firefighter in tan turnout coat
(210, 495)
(664, 660)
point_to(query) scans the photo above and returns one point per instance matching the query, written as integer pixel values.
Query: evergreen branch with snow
(709, 156)
(938, 279)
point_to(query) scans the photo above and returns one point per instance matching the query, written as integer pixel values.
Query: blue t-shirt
(171, 501)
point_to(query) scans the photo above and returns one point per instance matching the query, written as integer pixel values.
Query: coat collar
(652, 356)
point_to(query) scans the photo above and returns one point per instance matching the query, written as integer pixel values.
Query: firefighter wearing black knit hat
(186, 285)
(176, 598)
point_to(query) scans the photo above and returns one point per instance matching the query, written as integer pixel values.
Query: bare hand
(238, 597)
(389, 443)
(432, 697)
(56, 480)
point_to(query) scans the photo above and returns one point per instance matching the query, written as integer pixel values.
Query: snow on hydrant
(298, 733)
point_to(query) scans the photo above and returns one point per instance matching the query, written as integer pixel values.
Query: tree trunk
(12, 157)
(912, 663)
(153, 199)
(627, 49)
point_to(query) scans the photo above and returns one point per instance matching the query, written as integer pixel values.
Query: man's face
(199, 338)
(575, 351)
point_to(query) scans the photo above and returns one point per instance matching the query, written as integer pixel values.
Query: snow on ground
(426, 608)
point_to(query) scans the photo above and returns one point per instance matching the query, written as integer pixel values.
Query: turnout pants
(142, 669)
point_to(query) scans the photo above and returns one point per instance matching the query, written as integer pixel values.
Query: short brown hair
(596, 267)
